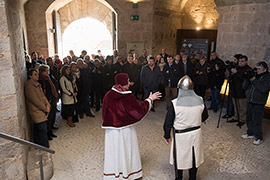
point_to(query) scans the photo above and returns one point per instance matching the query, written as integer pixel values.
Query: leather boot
(70, 123)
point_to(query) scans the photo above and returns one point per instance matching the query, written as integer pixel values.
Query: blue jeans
(40, 134)
(214, 98)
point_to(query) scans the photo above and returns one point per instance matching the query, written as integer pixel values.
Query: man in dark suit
(186, 66)
(164, 55)
(171, 73)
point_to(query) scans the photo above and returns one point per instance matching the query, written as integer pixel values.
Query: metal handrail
(25, 142)
(31, 144)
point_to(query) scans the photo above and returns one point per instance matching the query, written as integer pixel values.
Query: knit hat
(122, 79)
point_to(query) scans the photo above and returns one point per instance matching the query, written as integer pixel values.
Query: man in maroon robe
(120, 112)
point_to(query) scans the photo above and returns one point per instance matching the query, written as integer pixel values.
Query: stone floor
(79, 150)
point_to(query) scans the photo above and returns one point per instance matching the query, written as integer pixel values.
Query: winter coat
(171, 75)
(201, 79)
(36, 102)
(150, 79)
(236, 82)
(68, 89)
(85, 82)
(189, 69)
(133, 72)
(257, 91)
(216, 79)
(108, 73)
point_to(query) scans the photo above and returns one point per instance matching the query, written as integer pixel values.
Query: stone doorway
(87, 34)
(52, 17)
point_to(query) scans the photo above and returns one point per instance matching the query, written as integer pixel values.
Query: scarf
(54, 92)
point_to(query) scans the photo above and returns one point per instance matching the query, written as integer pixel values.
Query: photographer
(229, 66)
(257, 88)
(237, 92)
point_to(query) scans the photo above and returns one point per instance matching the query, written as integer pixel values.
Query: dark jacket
(217, 61)
(189, 69)
(236, 82)
(108, 73)
(201, 79)
(143, 60)
(85, 82)
(257, 91)
(90, 65)
(165, 56)
(133, 72)
(54, 70)
(98, 79)
(46, 87)
(216, 79)
(118, 67)
(150, 79)
(171, 75)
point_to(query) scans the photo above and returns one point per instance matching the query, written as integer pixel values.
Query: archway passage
(87, 34)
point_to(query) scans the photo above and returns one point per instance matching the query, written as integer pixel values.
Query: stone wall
(36, 25)
(78, 9)
(135, 31)
(128, 31)
(199, 13)
(244, 29)
(165, 27)
(12, 76)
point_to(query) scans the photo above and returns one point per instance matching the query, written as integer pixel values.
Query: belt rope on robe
(187, 129)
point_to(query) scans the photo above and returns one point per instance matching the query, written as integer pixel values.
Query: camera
(248, 74)
(230, 64)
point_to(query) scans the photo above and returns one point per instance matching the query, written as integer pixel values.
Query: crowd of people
(82, 82)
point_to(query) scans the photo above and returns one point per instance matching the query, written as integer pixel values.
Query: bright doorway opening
(87, 34)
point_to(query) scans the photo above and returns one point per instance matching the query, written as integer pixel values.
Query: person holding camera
(229, 104)
(256, 88)
(237, 91)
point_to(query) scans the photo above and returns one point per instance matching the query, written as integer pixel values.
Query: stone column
(12, 76)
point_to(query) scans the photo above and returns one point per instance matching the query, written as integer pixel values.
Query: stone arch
(100, 12)
(97, 9)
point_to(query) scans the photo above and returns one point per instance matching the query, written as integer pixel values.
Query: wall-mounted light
(198, 28)
(135, 5)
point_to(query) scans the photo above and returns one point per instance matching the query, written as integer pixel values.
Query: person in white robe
(120, 112)
(184, 116)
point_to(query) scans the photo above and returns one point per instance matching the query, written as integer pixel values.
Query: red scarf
(54, 92)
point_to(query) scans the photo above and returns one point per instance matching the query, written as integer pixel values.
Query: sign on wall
(194, 46)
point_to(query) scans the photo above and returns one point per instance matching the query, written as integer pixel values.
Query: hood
(120, 92)
(188, 98)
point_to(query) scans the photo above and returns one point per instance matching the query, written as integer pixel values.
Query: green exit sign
(134, 17)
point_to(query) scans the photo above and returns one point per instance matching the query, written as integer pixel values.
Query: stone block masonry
(244, 28)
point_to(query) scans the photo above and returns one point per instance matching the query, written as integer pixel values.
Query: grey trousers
(255, 114)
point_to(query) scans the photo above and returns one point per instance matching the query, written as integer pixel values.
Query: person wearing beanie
(120, 112)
